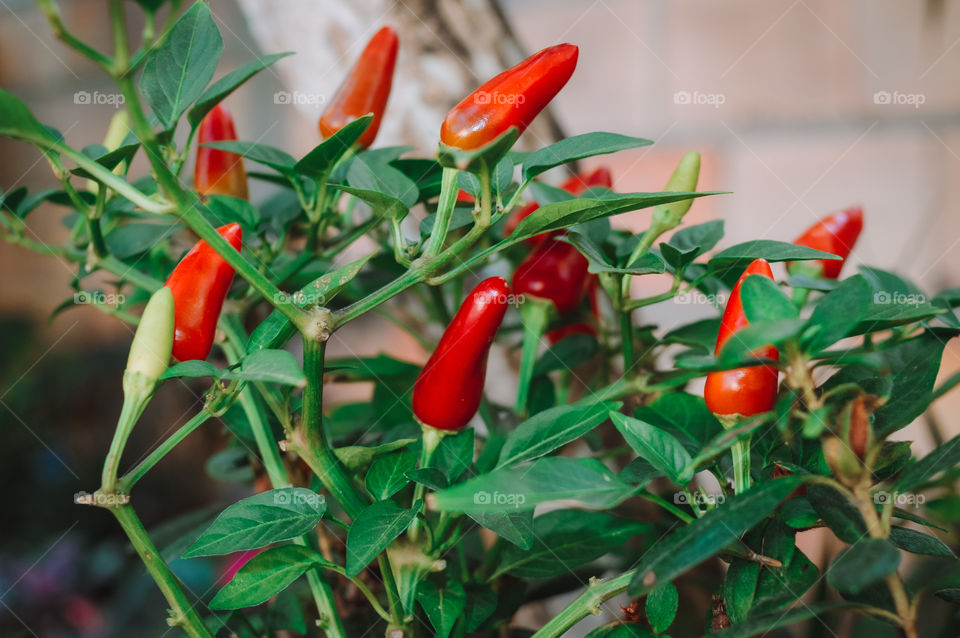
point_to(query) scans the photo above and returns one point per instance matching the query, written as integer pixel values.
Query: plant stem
(448, 200)
(587, 603)
(134, 403)
(667, 505)
(626, 339)
(311, 441)
(876, 529)
(52, 13)
(182, 611)
(429, 442)
(534, 315)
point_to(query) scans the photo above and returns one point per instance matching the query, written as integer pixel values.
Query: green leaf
(387, 474)
(709, 534)
(919, 543)
(649, 263)
(225, 209)
(915, 363)
(661, 449)
(177, 71)
(867, 562)
(276, 159)
(839, 514)
(134, 238)
(18, 122)
(740, 588)
(258, 521)
(482, 601)
(680, 412)
(693, 241)
(943, 458)
(551, 429)
(372, 530)
(381, 204)
(515, 527)
(763, 301)
(455, 454)
(369, 171)
(272, 366)
(581, 210)
(318, 162)
(355, 457)
(566, 354)
(837, 314)
(757, 335)
(273, 332)
(661, 607)
(226, 85)
(484, 158)
(765, 249)
(192, 369)
(267, 574)
(553, 478)
(577, 147)
(444, 606)
(565, 540)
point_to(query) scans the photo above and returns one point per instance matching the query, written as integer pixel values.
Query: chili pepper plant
(605, 473)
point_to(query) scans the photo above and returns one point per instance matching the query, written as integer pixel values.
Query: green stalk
(134, 403)
(585, 604)
(448, 200)
(534, 315)
(429, 442)
(312, 441)
(626, 340)
(182, 612)
(740, 452)
(277, 473)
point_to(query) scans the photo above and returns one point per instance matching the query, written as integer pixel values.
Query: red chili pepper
(836, 234)
(513, 98)
(199, 284)
(448, 391)
(744, 391)
(366, 88)
(555, 271)
(218, 172)
(575, 186)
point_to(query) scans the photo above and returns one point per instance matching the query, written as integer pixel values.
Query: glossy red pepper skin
(218, 172)
(513, 98)
(744, 391)
(836, 233)
(555, 271)
(199, 284)
(365, 89)
(448, 391)
(576, 185)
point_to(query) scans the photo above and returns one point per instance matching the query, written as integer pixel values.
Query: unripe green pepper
(153, 342)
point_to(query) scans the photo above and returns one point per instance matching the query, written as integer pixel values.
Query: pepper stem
(741, 454)
(431, 440)
(137, 394)
(534, 315)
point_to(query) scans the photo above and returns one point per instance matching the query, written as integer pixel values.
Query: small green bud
(153, 341)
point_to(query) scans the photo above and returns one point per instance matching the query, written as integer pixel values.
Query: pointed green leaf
(372, 530)
(267, 574)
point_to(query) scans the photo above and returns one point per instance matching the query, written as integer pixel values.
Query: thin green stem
(310, 440)
(587, 603)
(429, 442)
(51, 11)
(134, 403)
(626, 339)
(667, 505)
(182, 612)
(534, 315)
(445, 206)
